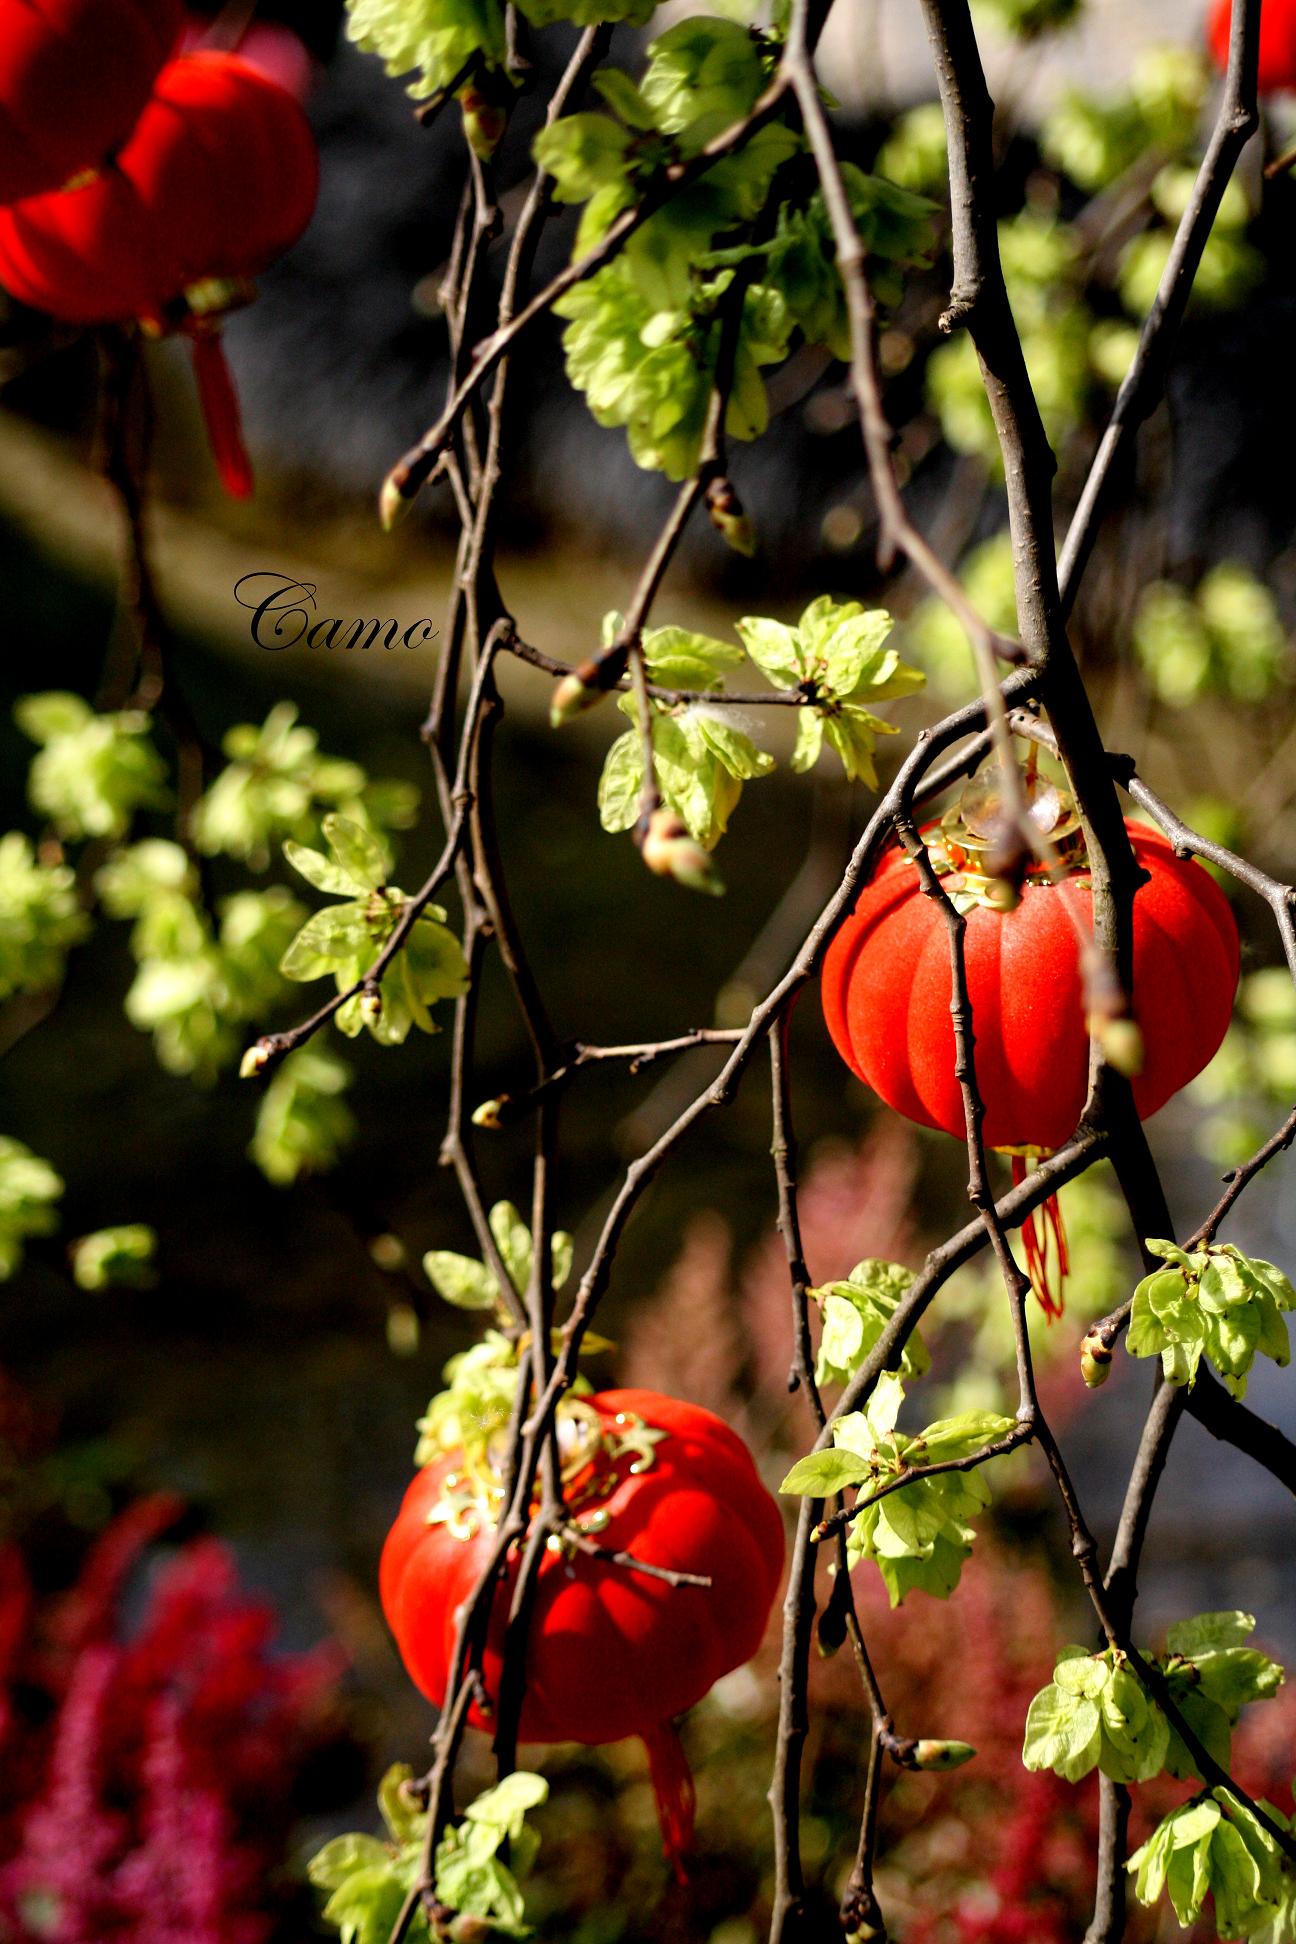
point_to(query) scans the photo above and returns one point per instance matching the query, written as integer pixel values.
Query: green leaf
(824, 1473)
(121, 1258)
(366, 1906)
(328, 939)
(775, 649)
(1063, 1733)
(621, 783)
(44, 718)
(679, 658)
(962, 1436)
(624, 98)
(321, 871)
(358, 852)
(1079, 1672)
(513, 1240)
(460, 1281)
(732, 748)
(809, 740)
(404, 1819)
(506, 1805)
(1210, 1633)
(330, 1867)
(582, 153)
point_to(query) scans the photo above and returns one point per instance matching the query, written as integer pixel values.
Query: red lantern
(612, 1652)
(1277, 42)
(218, 179)
(74, 76)
(886, 993)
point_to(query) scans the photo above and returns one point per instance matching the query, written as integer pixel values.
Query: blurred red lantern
(74, 76)
(1277, 41)
(612, 1652)
(886, 993)
(217, 180)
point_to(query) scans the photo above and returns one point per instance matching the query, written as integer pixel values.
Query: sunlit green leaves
(1230, 266)
(115, 1258)
(1214, 1846)
(1095, 141)
(93, 771)
(649, 364)
(303, 1122)
(433, 39)
(345, 939)
(196, 982)
(918, 1535)
(40, 918)
(1216, 1303)
(1223, 638)
(369, 1880)
(855, 1313)
(29, 1189)
(1096, 1713)
(476, 1404)
(837, 654)
(468, 1284)
(277, 785)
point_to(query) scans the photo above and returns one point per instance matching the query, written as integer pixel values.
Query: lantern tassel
(1047, 1267)
(672, 1781)
(221, 413)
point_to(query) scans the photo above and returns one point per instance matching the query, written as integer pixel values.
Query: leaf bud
(669, 851)
(255, 1060)
(576, 692)
(942, 1754)
(484, 120)
(488, 1114)
(465, 1928)
(1095, 1360)
(371, 1005)
(393, 504)
(728, 518)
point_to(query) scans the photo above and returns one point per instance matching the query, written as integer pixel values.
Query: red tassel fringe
(672, 1781)
(221, 412)
(1047, 1268)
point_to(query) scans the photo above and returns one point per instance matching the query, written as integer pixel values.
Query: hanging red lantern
(218, 179)
(612, 1651)
(74, 76)
(886, 989)
(1277, 68)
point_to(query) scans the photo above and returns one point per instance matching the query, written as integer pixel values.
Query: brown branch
(1236, 122)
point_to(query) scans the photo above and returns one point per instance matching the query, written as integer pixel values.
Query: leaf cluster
(345, 939)
(303, 1122)
(1224, 637)
(40, 918)
(836, 657)
(644, 334)
(277, 785)
(29, 1188)
(855, 1313)
(1215, 1302)
(196, 981)
(1214, 1846)
(1096, 1712)
(467, 1284)
(477, 1867)
(93, 772)
(918, 1536)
